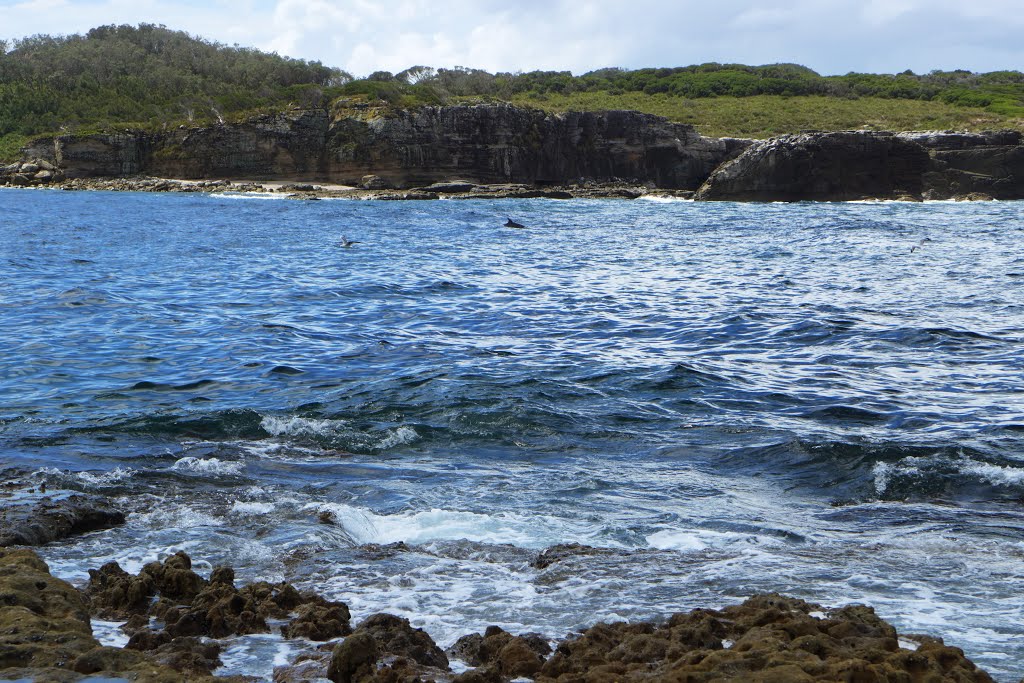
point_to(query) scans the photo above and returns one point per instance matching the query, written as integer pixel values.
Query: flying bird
(920, 244)
(347, 243)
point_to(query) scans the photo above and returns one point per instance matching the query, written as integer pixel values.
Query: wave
(365, 527)
(339, 433)
(663, 199)
(214, 466)
(940, 472)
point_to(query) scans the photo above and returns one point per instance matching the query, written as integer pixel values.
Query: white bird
(347, 243)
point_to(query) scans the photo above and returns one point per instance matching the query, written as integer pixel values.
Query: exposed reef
(31, 516)
(176, 618)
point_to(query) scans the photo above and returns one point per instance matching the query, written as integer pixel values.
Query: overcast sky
(361, 36)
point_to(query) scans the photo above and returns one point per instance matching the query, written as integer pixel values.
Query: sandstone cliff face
(482, 143)
(286, 146)
(861, 164)
(502, 143)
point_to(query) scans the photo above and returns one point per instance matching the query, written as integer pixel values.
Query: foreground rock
(34, 518)
(191, 606)
(45, 632)
(767, 638)
(45, 636)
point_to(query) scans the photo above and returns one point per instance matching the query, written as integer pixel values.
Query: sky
(362, 36)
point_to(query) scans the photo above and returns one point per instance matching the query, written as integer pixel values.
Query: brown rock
(319, 621)
(354, 658)
(174, 579)
(116, 594)
(769, 638)
(395, 636)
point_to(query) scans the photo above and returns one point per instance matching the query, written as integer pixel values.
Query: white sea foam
(996, 475)
(208, 465)
(257, 654)
(118, 474)
(250, 195)
(109, 633)
(915, 466)
(243, 508)
(447, 525)
(695, 540)
(662, 199)
(175, 517)
(301, 426)
(296, 426)
(399, 436)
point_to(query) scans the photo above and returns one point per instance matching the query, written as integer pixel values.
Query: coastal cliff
(848, 165)
(379, 147)
(404, 148)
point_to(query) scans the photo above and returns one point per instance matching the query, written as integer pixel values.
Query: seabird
(920, 244)
(346, 242)
(512, 224)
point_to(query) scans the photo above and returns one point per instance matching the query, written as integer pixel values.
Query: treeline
(1000, 92)
(146, 75)
(151, 76)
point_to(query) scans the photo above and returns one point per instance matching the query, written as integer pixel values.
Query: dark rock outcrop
(41, 518)
(973, 165)
(873, 165)
(821, 167)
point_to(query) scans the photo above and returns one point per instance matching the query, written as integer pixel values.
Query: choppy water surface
(724, 398)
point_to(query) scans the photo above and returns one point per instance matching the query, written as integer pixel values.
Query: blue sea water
(824, 400)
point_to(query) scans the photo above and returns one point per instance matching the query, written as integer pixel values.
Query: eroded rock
(45, 518)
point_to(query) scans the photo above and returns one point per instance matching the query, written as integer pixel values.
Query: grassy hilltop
(152, 77)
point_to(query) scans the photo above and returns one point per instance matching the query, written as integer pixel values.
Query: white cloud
(831, 36)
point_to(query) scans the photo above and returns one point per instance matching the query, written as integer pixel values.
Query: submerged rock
(40, 519)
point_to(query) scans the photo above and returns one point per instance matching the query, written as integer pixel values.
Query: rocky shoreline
(446, 190)
(315, 191)
(498, 151)
(176, 621)
(176, 618)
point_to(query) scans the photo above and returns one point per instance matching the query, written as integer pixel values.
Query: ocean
(824, 400)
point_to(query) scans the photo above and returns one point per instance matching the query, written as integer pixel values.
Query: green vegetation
(149, 75)
(152, 77)
(762, 116)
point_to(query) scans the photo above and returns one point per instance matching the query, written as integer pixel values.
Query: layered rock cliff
(502, 144)
(506, 144)
(496, 143)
